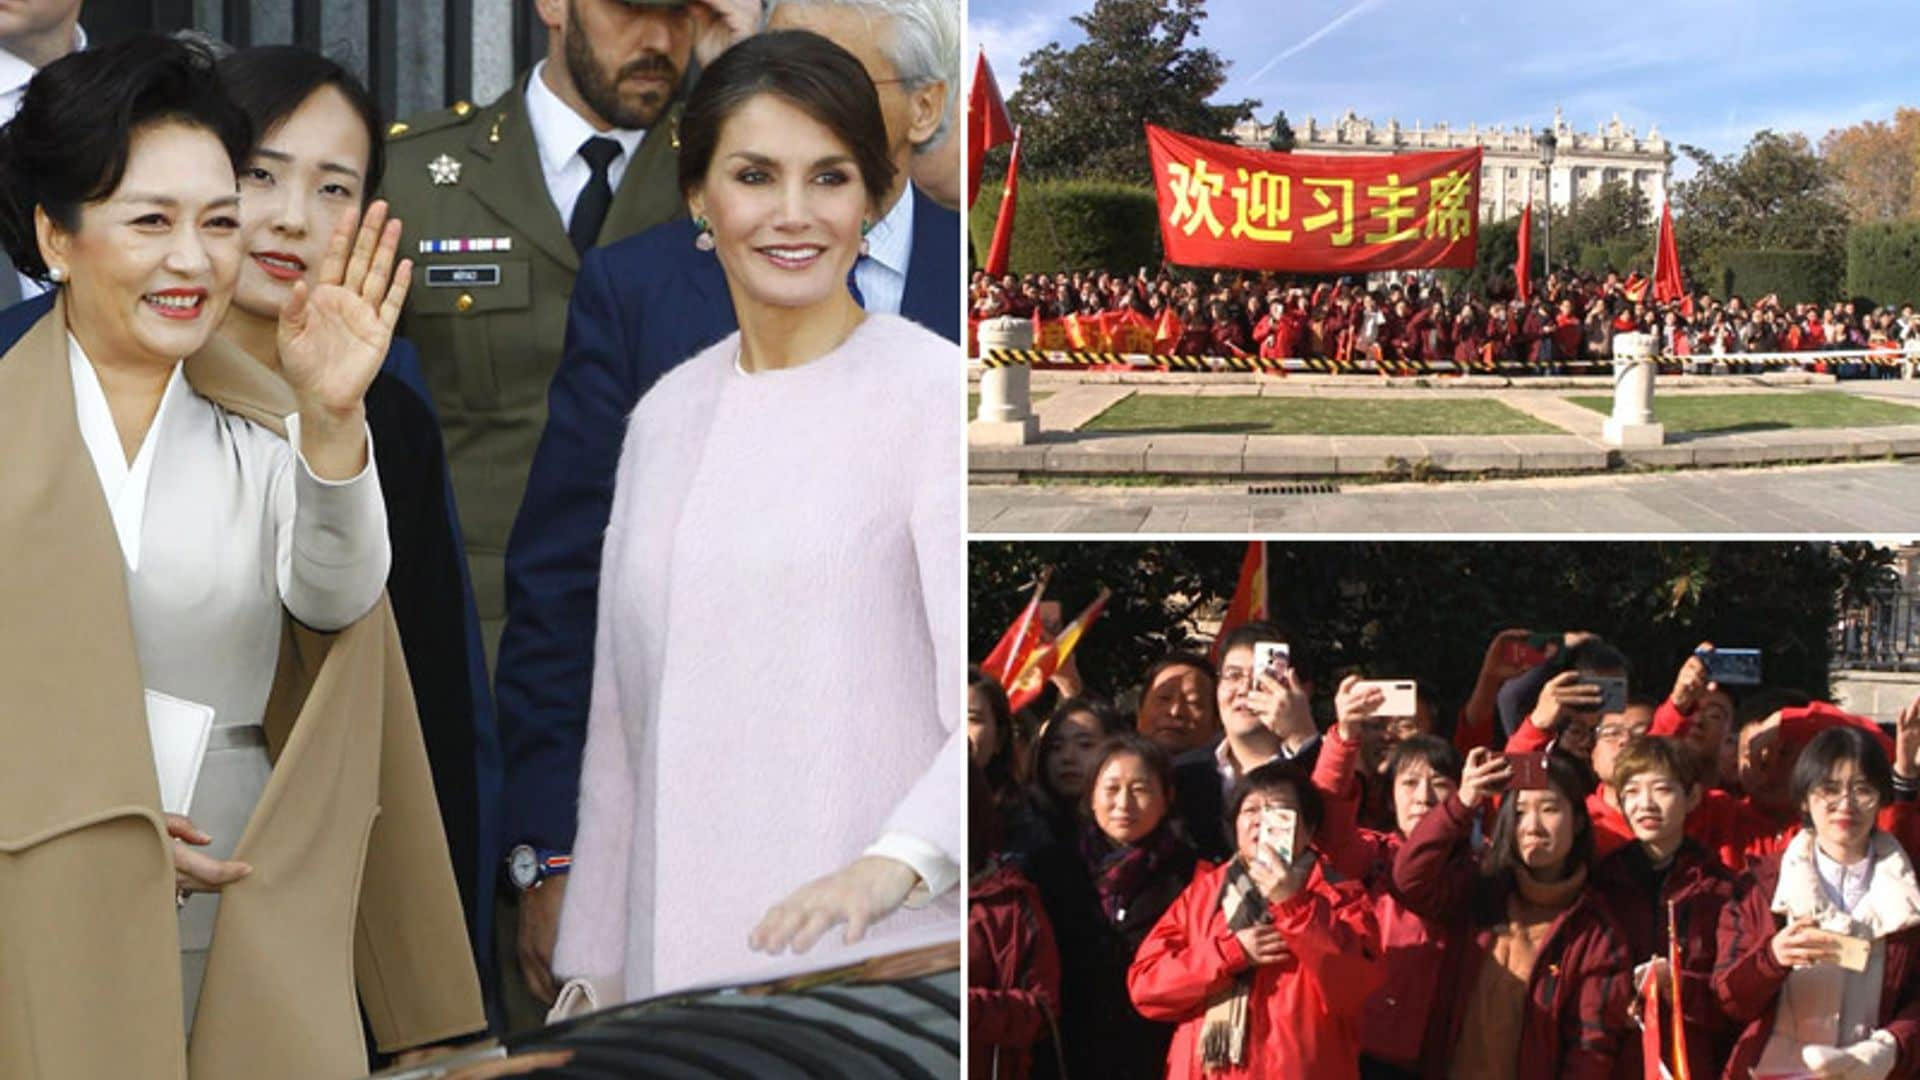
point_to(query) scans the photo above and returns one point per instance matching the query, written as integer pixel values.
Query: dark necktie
(590, 211)
(854, 286)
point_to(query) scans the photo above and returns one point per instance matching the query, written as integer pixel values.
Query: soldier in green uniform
(499, 203)
(500, 200)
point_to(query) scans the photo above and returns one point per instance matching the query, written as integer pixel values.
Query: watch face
(523, 867)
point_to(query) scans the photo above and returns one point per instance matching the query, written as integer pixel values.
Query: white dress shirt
(558, 132)
(882, 273)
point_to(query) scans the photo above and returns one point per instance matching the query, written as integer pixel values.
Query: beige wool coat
(351, 889)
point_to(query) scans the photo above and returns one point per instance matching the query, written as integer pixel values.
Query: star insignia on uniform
(444, 170)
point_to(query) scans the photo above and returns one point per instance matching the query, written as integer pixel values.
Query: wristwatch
(528, 866)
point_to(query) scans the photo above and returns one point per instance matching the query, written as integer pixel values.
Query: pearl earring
(56, 274)
(704, 241)
(866, 246)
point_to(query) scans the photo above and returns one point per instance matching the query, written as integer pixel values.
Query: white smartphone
(1272, 659)
(1402, 696)
(1278, 826)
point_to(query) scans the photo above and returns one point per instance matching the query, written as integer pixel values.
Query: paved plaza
(1828, 500)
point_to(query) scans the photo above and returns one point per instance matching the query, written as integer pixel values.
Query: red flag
(988, 124)
(1249, 594)
(1003, 225)
(1667, 286)
(1523, 266)
(1680, 1070)
(1634, 287)
(1651, 1067)
(1166, 332)
(1046, 660)
(1021, 638)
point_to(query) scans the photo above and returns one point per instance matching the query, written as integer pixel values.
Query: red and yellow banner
(1221, 205)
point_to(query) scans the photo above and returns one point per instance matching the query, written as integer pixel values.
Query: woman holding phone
(1533, 962)
(1820, 948)
(1264, 961)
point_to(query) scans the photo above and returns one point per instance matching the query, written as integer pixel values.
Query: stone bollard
(1006, 403)
(1632, 424)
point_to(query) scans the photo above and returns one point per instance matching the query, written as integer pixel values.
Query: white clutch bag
(586, 994)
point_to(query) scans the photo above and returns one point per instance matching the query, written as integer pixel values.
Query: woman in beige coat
(189, 541)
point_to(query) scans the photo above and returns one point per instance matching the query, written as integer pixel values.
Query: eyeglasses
(1858, 793)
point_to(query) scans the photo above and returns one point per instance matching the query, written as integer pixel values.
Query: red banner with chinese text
(1221, 205)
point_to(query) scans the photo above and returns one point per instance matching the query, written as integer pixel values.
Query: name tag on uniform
(463, 275)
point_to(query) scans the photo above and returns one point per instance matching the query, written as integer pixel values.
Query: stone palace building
(1582, 160)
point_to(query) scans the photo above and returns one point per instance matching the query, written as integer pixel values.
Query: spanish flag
(1249, 595)
(1016, 647)
(1045, 660)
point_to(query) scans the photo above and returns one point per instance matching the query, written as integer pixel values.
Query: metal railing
(1883, 634)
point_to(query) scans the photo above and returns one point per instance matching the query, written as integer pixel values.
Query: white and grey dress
(223, 529)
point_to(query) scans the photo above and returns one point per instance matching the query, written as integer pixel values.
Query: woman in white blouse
(224, 527)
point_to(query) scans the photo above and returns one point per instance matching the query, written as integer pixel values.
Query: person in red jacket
(1422, 772)
(1013, 968)
(1265, 960)
(1665, 874)
(1535, 965)
(1820, 949)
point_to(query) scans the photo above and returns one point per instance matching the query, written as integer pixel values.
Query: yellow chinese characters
(1261, 201)
(1343, 213)
(1193, 193)
(1394, 212)
(1449, 210)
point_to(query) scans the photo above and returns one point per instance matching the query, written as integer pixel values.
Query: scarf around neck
(1121, 871)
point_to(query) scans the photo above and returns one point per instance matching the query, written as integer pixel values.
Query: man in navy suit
(639, 307)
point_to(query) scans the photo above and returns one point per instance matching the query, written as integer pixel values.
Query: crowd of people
(283, 486)
(1544, 880)
(1409, 319)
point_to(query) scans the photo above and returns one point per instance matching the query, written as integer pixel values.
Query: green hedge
(1072, 225)
(1797, 276)
(1883, 262)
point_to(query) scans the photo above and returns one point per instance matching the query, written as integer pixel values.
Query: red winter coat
(1698, 887)
(1394, 1020)
(1570, 1030)
(1013, 976)
(1303, 1014)
(1748, 978)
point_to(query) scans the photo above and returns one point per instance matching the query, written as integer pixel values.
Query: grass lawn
(1316, 416)
(973, 402)
(1731, 413)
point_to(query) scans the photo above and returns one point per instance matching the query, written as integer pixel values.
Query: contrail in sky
(1340, 20)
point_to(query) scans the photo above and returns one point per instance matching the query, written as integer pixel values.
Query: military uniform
(493, 271)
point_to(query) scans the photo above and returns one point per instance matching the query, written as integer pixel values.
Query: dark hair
(68, 144)
(1270, 778)
(270, 82)
(808, 72)
(1440, 755)
(1176, 660)
(1105, 719)
(983, 820)
(1150, 754)
(1593, 654)
(1569, 778)
(1832, 747)
(1000, 766)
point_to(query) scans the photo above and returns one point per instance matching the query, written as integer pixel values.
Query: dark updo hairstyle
(806, 71)
(1827, 751)
(270, 82)
(1566, 776)
(68, 144)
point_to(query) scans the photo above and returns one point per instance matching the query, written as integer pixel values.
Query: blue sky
(1708, 73)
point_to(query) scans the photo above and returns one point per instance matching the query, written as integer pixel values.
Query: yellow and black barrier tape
(1000, 358)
